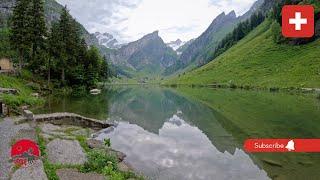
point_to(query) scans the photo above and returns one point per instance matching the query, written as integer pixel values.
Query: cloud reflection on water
(180, 151)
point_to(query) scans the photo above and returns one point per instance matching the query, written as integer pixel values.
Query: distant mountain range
(181, 54)
(109, 41)
(150, 55)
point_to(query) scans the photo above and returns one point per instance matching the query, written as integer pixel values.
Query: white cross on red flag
(298, 21)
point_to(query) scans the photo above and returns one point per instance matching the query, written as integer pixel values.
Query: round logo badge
(24, 153)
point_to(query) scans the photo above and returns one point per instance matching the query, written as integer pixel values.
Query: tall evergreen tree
(64, 33)
(2, 20)
(20, 30)
(72, 48)
(104, 69)
(54, 48)
(38, 32)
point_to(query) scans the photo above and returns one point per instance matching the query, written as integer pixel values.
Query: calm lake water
(190, 133)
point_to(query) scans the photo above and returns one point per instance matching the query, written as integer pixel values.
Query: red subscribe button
(282, 145)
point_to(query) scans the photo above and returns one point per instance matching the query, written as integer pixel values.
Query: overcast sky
(129, 20)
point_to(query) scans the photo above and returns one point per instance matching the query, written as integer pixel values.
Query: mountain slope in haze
(52, 13)
(184, 47)
(196, 53)
(148, 55)
(257, 60)
(221, 26)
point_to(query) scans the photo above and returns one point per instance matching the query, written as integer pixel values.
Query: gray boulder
(33, 172)
(66, 152)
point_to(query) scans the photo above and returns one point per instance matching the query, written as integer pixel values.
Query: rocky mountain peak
(153, 35)
(148, 54)
(232, 14)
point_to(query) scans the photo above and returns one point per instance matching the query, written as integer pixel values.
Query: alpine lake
(198, 133)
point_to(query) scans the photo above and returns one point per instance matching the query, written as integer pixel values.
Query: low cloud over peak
(129, 20)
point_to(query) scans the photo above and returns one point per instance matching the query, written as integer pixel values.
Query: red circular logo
(24, 152)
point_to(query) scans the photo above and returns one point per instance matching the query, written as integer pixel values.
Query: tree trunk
(49, 72)
(63, 76)
(20, 61)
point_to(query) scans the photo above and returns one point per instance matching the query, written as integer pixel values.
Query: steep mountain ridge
(148, 54)
(221, 23)
(196, 53)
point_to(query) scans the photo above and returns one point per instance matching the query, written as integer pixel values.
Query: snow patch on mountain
(107, 40)
(175, 45)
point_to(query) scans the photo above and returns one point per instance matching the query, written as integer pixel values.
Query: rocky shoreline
(65, 147)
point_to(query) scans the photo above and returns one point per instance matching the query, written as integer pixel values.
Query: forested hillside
(45, 39)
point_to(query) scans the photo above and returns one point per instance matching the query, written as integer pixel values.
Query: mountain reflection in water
(180, 151)
(198, 133)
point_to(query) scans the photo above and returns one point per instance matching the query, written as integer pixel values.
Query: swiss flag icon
(298, 21)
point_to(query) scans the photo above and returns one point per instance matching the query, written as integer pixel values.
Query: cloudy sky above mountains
(129, 20)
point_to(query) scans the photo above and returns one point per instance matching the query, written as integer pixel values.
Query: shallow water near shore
(190, 133)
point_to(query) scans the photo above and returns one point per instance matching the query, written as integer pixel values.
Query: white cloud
(129, 20)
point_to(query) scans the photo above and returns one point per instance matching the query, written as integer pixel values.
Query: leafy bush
(107, 142)
(98, 160)
(102, 163)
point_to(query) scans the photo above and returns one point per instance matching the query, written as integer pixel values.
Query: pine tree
(104, 69)
(38, 32)
(94, 61)
(54, 48)
(20, 30)
(72, 49)
(64, 33)
(2, 20)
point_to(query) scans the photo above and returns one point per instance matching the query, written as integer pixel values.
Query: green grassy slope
(258, 61)
(24, 97)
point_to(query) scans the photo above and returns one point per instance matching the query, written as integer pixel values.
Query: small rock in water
(272, 163)
(306, 163)
(95, 91)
